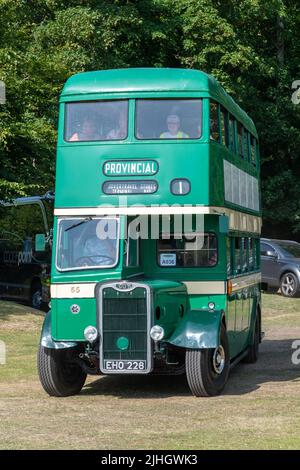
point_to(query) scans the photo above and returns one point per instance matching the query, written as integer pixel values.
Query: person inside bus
(120, 131)
(212, 260)
(99, 252)
(173, 132)
(87, 132)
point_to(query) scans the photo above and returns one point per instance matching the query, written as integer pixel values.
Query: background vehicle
(24, 270)
(280, 266)
(150, 148)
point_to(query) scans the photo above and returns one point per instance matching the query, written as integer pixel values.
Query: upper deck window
(214, 121)
(96, 120)
(240, 140)
(224, 127)
(253, 153)
(168, 119)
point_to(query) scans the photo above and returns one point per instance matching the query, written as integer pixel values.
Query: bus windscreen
(86, 243)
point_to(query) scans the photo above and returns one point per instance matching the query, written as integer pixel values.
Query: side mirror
(271, 254)
(40, 242)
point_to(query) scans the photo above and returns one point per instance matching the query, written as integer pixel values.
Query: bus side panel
(70, 317)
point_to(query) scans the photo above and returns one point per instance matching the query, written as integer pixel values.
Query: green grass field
(260, 408)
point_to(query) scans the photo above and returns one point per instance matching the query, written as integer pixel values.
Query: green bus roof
(146, 80)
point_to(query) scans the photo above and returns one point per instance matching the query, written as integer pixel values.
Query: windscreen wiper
(87, 219)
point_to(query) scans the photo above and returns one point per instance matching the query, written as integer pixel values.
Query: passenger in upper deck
(87, 132)
(173, 132)
(120, 131)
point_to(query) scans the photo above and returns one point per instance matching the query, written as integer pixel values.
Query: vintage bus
(24, 267)
(155, 266)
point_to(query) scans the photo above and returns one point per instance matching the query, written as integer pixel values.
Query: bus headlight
(157, 333)
(211, 305)
(90, 333)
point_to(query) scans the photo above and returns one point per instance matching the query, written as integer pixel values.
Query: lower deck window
(195, 250)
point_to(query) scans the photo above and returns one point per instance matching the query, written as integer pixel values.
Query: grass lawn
(259, 409)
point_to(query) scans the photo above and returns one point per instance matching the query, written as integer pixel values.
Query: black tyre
(59, 376)
(207, 370)
(289, 285)
(253, 351)
(36, 297)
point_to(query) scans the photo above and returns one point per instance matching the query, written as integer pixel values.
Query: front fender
(46, 337)
(288, 268)
(199, 329)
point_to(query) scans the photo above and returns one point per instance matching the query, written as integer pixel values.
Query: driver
(101, 252)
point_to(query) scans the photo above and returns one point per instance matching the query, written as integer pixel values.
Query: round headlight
(90, 333)
(157, 333)
(211, 305)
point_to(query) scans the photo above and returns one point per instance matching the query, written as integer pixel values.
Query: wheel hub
(37, 299)
(219, 360)
(288, 285)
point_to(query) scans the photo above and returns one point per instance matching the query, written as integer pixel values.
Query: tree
(252, 47)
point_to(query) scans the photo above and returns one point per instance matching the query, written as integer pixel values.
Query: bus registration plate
(117, 365)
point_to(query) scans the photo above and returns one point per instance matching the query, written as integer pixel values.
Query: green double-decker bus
(155, 266)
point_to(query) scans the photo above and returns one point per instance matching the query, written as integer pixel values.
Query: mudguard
(46, 338)
(198, 329)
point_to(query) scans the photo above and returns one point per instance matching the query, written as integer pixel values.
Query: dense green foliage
(251, 46)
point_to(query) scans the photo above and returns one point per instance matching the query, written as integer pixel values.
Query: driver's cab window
(132, 246)
(87, 243)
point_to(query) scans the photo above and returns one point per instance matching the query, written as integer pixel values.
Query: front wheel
(289, 285)
(207, 370)
(59, 375)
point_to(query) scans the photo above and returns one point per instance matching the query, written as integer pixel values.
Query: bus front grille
(124, 327)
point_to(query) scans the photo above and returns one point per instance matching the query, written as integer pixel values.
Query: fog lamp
(157, 333)
(90, 333)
